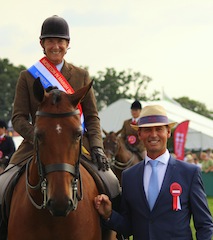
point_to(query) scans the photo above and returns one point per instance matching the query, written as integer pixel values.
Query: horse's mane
(56, 94)
(50, 88)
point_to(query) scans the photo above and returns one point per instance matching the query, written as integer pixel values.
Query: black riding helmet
(55, 26)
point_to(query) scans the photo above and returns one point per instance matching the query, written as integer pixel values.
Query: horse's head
(111, 144)
(119, 156)
(57, 135)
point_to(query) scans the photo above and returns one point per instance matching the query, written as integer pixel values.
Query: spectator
(207, 162)
(196, 160)
(7, 146)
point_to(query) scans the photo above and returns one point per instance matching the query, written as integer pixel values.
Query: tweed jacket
(163, 223)
(25, 107)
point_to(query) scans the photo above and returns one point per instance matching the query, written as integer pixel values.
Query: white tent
(200, 133)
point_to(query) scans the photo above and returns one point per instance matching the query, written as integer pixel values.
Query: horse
(54, 198)
(116, 151)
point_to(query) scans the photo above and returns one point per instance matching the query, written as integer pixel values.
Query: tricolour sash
(50, 76)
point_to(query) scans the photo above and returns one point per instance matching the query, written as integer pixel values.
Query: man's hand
(99, 157)
(103, 206)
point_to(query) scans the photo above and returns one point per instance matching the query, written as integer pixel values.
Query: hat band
(153, 119)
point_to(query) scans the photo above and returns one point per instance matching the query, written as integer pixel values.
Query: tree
(8, 77)
(110, 86)
(195, 106)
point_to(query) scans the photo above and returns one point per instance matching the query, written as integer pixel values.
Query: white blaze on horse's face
(58, 128)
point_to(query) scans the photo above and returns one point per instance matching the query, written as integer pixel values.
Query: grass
(210, 202)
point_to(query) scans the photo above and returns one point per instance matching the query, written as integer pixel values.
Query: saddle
(102, 188)
(7, 197)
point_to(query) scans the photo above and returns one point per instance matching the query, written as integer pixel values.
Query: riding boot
(3, 227)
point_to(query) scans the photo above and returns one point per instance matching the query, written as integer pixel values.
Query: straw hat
(153, 115)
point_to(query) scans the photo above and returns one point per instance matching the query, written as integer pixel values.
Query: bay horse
(54, 198)
(120, 157)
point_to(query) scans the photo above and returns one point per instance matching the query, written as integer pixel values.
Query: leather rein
(55, 167)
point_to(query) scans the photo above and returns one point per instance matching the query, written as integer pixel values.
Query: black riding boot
(3, 227)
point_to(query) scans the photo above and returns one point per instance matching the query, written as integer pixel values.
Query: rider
(54, 40)
(130, 135)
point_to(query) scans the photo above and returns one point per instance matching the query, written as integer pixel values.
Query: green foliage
(8, 77)
(195, 106)
(111, 86)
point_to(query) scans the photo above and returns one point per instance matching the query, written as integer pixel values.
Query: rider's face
(55, 49)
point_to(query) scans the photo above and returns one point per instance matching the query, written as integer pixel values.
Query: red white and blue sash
(50, 76)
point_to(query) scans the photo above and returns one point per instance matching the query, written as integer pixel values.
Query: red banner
(180, 133)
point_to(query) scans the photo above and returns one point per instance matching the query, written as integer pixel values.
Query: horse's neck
(123, 152)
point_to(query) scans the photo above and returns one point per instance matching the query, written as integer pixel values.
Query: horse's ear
(105, 132)
(38, 90)
(118, 132)
(80, 94)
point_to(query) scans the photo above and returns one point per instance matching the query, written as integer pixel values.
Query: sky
(171, 41)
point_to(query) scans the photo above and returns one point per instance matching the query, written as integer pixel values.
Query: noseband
(56, 167)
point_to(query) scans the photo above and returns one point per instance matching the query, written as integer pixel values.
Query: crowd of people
(203, 159)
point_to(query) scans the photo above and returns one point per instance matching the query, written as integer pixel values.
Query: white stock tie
(153, 188)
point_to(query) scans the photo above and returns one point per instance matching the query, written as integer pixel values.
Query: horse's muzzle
(60, 210)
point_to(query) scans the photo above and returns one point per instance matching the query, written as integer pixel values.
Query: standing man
(158, 200)
(130, 135)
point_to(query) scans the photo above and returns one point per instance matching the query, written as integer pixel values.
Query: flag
(180, 133)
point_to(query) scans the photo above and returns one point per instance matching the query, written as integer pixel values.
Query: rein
(57, 167)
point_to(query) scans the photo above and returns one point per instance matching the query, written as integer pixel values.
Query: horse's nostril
(60, 209)
(49, 203)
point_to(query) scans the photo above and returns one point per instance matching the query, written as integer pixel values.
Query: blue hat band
(153, 119)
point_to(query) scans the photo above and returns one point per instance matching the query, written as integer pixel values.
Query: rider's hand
(99, 157)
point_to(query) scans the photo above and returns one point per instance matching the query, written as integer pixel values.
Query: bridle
(55, 167)
(115, 162)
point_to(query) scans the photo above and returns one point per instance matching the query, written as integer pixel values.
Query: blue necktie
(153, 188)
